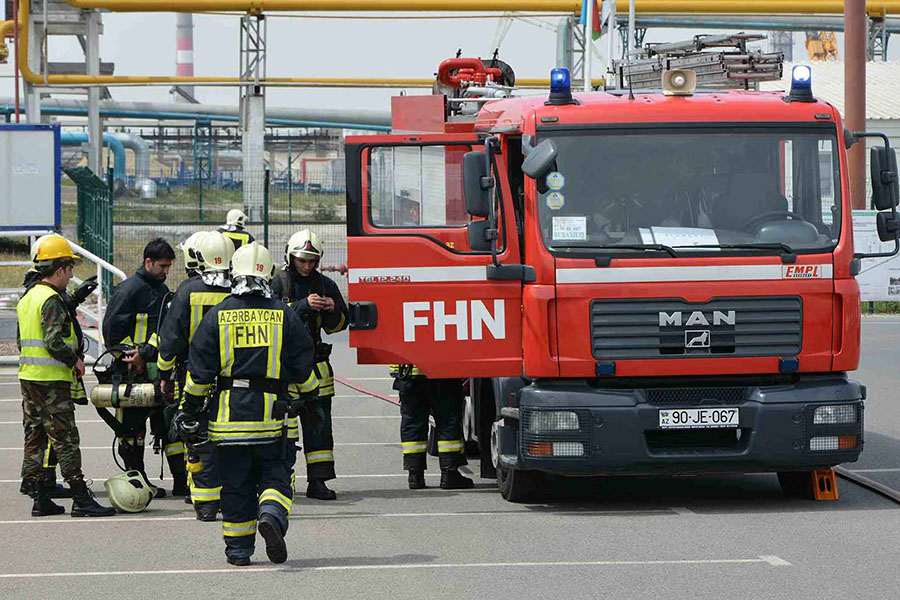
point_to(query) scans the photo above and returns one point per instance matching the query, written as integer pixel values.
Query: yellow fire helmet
(252, 260)
(187, 246)
(303, 244)
(129, 492)
(214, 251)
(52, 247)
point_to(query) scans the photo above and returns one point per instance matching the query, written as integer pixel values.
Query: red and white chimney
(184, 50)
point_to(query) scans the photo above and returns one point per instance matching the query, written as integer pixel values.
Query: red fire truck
(633, 283)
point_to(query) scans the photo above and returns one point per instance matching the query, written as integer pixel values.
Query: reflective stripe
(195, 389)
(415, 447)
(47, 454)
(224, 407)
(311, 383)
(199, 301)
(153, 341)
(140, 328)
(206, 494)
(274, 371)
(238, 529)
(32, 344)
(77, 390)
(243, 425)
(176, 448)
(43, 362)
(451, 446)
(319, 457)
(336, 327)
(271, 495)
(415, 372)
(165, 364)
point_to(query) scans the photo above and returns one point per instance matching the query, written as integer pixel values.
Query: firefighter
(191, 265)
(443, 398)
(259, 357)
(234, 230)
(49, 364)
(132, 319)
(79, 396)
(208, 254)
(318, 301)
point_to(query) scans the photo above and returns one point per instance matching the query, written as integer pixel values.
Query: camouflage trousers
(48, 416)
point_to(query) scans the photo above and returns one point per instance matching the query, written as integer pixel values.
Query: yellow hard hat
(214, 251)
(191, 262)
(252, 260)
(303, 244)
(52, 247)
(129, 492)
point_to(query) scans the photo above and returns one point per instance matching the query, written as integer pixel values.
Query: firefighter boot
(318, 490)
(270, 531)
(54, 490)
(206, 511)
(179, 485)
(83, 503)
(416, 479)
(452, 479)
(238, 561)
(43, 505)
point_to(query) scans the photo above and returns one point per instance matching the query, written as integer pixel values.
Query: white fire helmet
(252, 260)
(303, 244)
(213, 251)
(129, 492)
(236, 217)
(189, 246)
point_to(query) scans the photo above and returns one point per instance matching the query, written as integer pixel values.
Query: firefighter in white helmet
(209, 253)
(259, 357)
(318, 301)
(191, 264)
(233, 229)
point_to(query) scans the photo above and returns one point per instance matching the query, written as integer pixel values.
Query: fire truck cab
(656, 283)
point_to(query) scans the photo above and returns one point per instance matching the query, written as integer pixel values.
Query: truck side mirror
(885, 194)
(477, 183)
(540, 159)
(481, 236)
(888, 225)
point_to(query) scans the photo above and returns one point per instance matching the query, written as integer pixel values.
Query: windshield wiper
(784, 248)
(594, 246)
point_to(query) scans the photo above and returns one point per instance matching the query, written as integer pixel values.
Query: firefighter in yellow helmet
(234, 228)
(256, 352)
(49, 363)
(209, 255)
(318, 301)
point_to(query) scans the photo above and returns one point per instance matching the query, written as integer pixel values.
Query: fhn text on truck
(657, 283)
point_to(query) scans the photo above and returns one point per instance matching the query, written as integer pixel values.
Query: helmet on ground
(213, 251)
(303, 244)
(52, 247)
(252, 260)
(188, 246)
(129, 492)
(236, 217)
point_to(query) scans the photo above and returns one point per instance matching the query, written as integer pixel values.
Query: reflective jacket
(133, 313)
(192, 300)
(252, 341)
(46, 336)
(238, 237)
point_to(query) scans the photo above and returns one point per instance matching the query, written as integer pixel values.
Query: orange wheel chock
(824, 484)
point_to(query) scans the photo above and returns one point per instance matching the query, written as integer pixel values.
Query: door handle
(363, 316)
(524, 273)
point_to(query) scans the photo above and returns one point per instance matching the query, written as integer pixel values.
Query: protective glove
(189, 427)
(84, 290)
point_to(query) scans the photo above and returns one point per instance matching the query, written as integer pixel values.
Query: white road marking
(19, 448)
(370, 379)
(89, 421)
(892, 470)
(341, 476)
(682, 510)
(767, 560)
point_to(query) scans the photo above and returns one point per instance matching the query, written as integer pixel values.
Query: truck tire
(515, 485)
(485, 414)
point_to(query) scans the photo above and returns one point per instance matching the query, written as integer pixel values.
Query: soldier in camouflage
(49, 364)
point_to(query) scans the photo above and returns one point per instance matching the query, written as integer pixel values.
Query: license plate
(698, 418)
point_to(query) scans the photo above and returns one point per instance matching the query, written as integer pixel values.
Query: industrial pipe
(115, 146)
(143, 184)
(855, 34)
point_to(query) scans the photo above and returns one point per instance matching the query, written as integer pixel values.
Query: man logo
(696, 338)
(676, 319)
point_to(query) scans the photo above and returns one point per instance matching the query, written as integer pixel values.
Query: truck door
(419, 293)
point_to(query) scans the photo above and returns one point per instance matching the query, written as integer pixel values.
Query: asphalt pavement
(688, 537)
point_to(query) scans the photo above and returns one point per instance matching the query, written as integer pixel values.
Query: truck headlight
(835, 414)
(553, 420)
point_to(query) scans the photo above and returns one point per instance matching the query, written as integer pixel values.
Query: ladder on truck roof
(738, 67)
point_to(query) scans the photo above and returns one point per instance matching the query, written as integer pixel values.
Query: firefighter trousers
(443, 398)
(318, 434)
(131, 445)
(256, 480)
(204, 484)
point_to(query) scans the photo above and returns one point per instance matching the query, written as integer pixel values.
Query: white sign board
(879, 278)
(29, 177)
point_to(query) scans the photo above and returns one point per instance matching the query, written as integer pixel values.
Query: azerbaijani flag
(595, 6)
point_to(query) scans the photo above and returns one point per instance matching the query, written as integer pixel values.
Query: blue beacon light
(801, 84)
(560, 86)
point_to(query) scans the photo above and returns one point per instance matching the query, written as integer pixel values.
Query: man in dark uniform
(49, 364)
(132, 319)
(209, 253)
(234, 230)
(257, 353)
(319, 303)
(443, 398)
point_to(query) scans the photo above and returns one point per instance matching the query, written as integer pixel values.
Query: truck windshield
(692, 190)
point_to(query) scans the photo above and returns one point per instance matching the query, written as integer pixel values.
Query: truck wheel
(795, 484)
(515, 485)
(485, 414)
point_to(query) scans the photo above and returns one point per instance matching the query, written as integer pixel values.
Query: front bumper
(620, 434)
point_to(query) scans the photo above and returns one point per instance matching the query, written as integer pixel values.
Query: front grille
(673, 328)
(696, 396)
(564, 438)
(693, 440)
